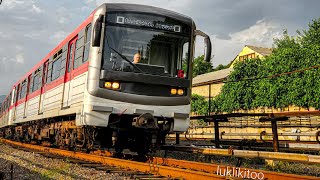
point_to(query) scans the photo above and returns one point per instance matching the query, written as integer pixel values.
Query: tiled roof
(212, 76)
(261, 50)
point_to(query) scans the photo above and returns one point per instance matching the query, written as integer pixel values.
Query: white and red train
(88, 93)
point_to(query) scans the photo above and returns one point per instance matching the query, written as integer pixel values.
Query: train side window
(45, 74)
(16, 94)
(29, 84)
(23, 88)
(70, 57)
(10, 99)
(87, 43)
(35, 81)
(5, 105)
(56, 65)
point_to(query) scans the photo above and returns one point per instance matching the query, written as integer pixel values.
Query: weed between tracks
(295, 168)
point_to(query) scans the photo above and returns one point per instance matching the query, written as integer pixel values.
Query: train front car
(139, 76)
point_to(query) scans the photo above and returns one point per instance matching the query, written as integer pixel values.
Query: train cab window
(56, 65)
(23, 90)
(87, 43)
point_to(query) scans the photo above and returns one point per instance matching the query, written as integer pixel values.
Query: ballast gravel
(29, 165)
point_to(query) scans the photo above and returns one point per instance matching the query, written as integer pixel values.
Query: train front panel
(139, 73)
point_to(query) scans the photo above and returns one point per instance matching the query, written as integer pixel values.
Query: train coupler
(146, 121)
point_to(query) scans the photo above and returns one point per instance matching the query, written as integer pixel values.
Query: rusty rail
(290, 157)
(166, 166)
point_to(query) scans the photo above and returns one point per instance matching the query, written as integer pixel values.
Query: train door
(17, 91)
(43, 85)
(26, 96)
(68, 74)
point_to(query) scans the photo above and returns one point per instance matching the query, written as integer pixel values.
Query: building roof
(261, 50)
(209, 78)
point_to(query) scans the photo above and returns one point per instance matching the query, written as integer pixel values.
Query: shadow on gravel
(51, 170)
(10, 170)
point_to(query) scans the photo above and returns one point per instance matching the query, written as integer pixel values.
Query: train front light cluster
(175, 91)
(112, 85)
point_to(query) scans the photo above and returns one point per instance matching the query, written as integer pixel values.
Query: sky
(31, 29)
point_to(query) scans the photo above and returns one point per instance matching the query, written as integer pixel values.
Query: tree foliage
(290, 54)
(221, 67)
(199, 104)
(200, 66)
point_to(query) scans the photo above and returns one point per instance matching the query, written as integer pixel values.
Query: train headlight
(115, 85)
(180, 92)
(173, 91)
(108, 84)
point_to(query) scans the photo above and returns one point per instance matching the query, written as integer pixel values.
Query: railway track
(285, 146)
(156, 167)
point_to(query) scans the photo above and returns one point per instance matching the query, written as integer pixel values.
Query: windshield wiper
(125, 58)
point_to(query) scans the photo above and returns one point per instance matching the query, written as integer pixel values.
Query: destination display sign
(148, 23)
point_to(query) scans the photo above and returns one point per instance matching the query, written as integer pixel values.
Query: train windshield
(130, 46)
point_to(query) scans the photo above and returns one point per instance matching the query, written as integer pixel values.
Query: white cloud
(19, 48)
(19, 58)
(36, 9)
(32, 35)
(58, 36)
(4, 35)
(175, 5)
(62, 20)
(260, 34)
(11, 4)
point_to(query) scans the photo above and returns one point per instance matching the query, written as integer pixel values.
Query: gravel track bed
(28, 165)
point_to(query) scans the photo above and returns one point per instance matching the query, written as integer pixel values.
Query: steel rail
(161, 166)
(212, 168)
(290, 157)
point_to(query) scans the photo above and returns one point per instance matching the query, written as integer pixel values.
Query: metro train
(87, 93)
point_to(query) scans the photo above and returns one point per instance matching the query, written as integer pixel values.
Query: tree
(199, 104)
(221, 67)
(298, 88)
(200, 66)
